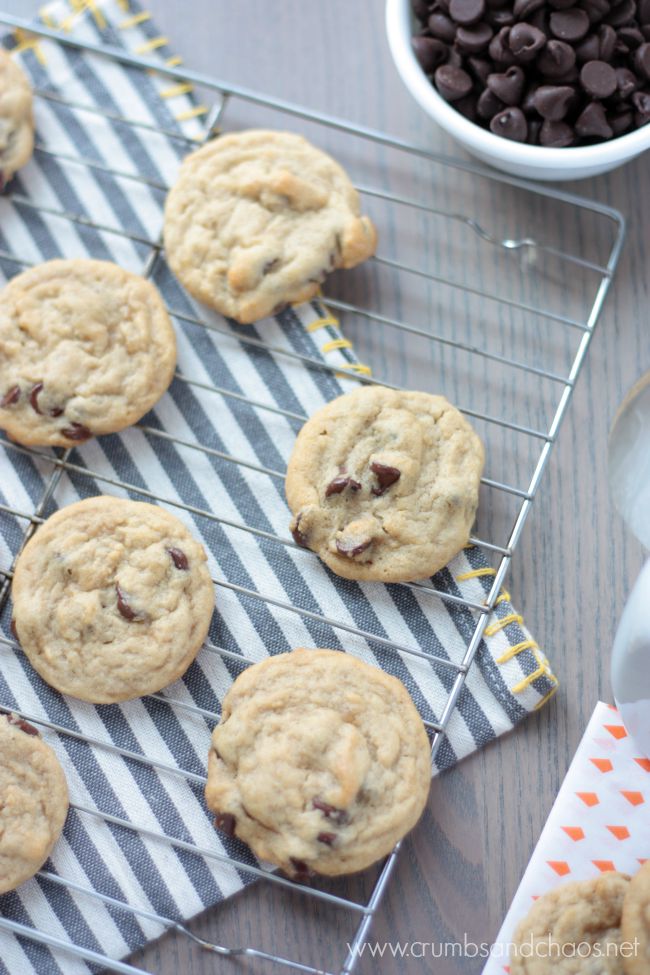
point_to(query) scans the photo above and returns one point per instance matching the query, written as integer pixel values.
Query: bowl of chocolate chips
(545, 89)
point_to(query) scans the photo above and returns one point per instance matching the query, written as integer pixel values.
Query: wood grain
(570, 575)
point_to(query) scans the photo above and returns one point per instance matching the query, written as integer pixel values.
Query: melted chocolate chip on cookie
(386, 476)
(179, 558)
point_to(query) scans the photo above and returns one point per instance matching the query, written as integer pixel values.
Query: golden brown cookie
(384, 484)
(16, 118)
(575, 929)
(85, 348)
(33, 801)
(112, 599)
(635, 924)
(256, 220)
(320, 762)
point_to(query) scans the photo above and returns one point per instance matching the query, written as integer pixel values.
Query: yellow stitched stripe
(336, 344)
(502, 623)
(183, 89)
(358, 367)
(547, 697)
(27, 43)
(152, 45)
(322, 322)
(504, 597)
(135, 20)
(125, 5)
(174, 62)
(514, 650)
(100, 20)
(476, 574)
(192, 113)
(527, 681)
(47, 18)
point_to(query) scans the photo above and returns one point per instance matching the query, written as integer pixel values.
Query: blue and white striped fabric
(213, 496)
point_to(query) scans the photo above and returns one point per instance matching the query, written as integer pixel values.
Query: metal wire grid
(503, 553)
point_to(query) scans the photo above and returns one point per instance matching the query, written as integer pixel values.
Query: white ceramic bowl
(535, 162)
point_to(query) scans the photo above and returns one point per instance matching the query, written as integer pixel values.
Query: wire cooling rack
(520, 340)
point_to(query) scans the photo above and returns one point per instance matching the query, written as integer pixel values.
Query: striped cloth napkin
(213, 496)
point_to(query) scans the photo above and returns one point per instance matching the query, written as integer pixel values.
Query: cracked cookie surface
(320, 762)
(383, 484)
(85, 348)
(112, 599)
(16, 118)
(635, 923)
(585, 916)
(33, 801)
(257, 219)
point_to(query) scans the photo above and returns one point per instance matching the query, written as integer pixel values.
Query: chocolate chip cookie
(85, 348)
(635, 923)
(112, 599)
(257, 219)
(33, 801)
(320, 762)
(384, 484)
(16, 118)
(573, 930)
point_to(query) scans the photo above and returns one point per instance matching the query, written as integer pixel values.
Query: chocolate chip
(452, 83)
(621, 121)
(534, 127)
(352, 545)
(599, 78)
(511, 124)
(420, 8)
(124, 608)
(556, 59)
(641, 101)
(386, 476)
(643, 11)
(642, 60)
(466, 12)
(592, 122)
(271, 265)
(301, 871)
(621, 13)
(626, 82)
(442, 27)
(607, 42)
(524, 8)
(430, 52)
(508, 86)
(225, 822)
(569, 25)
(553, 101)
(14, 630)
(25, 726)
(629, 38)
(11, 397)
(36, 390)
(179, 558)
(556, 135)
(473, 40)
(480, 68)
(526, 41)
(488, 104)
(500, 47)
(327, 838)
(299, 537)
(330, 812)
(339, 484)
(76, 431)
(588, 50)
(595, 9)
(500, 18)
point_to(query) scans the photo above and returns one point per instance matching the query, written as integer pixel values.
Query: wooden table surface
(570, 575)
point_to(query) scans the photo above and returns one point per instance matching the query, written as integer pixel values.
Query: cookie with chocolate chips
(16, 118)
(112, 599)
(34, 801)
(384, 484)
(258, 218)
(85, 348)
(320, 762)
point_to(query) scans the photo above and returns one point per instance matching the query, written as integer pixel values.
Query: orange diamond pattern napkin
(600, 821)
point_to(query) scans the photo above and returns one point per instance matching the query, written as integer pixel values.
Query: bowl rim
(398, 30)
